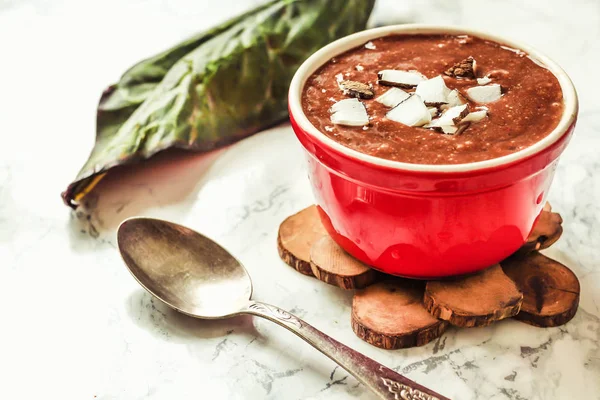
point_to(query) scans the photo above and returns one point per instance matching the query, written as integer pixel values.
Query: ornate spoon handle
(386, 383)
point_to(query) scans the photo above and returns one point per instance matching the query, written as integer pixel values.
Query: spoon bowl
(186, 270)
(194, 275)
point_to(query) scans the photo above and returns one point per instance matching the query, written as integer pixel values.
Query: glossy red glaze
(426, 223)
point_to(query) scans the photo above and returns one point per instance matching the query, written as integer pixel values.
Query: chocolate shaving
(357, 89)
(464, 69)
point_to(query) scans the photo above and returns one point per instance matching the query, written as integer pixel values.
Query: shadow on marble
(165, 323)
(240, 338)
(170, 178)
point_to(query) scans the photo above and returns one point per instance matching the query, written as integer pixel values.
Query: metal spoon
(194, 275)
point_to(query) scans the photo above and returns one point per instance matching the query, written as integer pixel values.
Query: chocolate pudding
(433, 99)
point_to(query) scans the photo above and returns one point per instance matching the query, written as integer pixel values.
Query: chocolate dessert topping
(357, 89)
(463, 69)
(497, 106)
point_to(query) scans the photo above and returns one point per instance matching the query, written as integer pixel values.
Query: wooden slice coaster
(550, 289)
(391, 315)
(546, 231)
(297, 235)
(331, 264)
(474, 300)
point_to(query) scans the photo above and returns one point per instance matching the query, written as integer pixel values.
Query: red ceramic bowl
(428, 221)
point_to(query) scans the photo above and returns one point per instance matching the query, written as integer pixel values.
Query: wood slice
(550, 289)
(546, 231)
(297, 235)
(331, 264)
(391, 315)
(474, 300)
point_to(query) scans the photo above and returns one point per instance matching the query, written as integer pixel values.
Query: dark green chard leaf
(214, 88)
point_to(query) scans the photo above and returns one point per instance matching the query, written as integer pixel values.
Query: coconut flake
(350, 118)
(485, 94)
(370, 46)
(454, 99)
(392, 97)
(449, 129)
(403, 79)
(456, 114)
(433, 91)
(359, 67)
(339, 77)
(475, 116)
(433, 111)
(349, 112)
(484, 81)
(411, 112)
(346, 104)
(452, 116)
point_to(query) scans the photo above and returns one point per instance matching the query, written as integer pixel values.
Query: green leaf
(214, 88)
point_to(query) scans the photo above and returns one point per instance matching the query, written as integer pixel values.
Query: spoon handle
(386, 383)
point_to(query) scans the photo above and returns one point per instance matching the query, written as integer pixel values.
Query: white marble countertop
(75, 324)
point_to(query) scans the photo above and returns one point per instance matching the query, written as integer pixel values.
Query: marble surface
(75, 325)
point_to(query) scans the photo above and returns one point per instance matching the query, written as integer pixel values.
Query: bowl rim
(317, 59)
